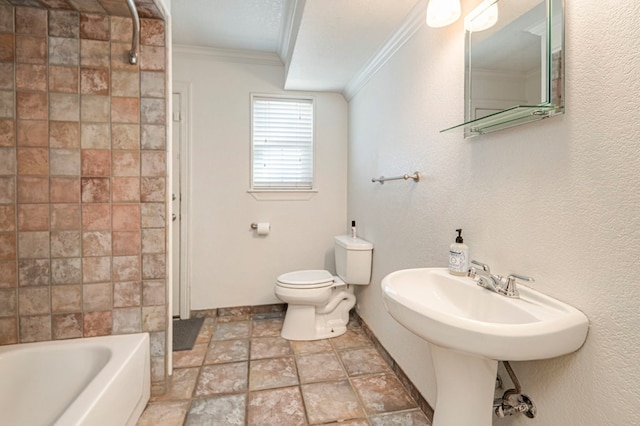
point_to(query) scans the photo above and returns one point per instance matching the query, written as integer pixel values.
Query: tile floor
(244, 373)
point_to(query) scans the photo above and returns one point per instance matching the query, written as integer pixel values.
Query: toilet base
(309, 322)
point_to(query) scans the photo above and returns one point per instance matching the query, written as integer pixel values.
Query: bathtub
(91, 381)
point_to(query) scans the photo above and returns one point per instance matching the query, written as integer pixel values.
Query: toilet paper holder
(254, 225)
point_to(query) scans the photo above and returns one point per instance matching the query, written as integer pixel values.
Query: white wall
(230, 265)
(558, 200)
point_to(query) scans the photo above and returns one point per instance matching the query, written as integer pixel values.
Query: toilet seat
(313, 278)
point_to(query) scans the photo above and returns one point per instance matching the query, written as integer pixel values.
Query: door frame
(184, 89)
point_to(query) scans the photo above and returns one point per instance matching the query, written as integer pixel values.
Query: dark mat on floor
(185, 333)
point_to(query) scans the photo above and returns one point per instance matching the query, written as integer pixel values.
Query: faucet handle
(484, 266)
(514, 277)
(510, 289)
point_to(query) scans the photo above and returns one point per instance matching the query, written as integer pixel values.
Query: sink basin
(470, 328)
(454, 312)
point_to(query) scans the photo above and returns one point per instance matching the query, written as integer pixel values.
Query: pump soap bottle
(458, 256)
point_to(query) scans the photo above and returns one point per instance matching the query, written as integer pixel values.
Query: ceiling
(323, 44)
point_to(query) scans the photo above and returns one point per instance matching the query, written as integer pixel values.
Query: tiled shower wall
(82, 173)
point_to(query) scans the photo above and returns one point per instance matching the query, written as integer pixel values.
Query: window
(282, 143)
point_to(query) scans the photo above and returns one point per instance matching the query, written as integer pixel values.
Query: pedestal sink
(470, 329)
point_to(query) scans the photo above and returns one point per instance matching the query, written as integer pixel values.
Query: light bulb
(441, 13)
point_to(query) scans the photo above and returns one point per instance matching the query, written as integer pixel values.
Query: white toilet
(318, 302)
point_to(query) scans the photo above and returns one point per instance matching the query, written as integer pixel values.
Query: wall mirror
(514, 55)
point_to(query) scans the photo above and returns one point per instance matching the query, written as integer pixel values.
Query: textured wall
(230, 265)
(557, 200)
(82, 175)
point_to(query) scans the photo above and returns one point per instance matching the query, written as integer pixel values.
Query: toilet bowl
(319, 302)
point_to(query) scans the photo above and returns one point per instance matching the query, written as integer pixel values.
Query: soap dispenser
(459, 256)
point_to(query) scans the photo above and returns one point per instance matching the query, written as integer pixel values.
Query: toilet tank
(353, 259)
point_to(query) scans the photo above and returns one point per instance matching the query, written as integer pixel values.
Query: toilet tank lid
(308, 277)
(350, 243)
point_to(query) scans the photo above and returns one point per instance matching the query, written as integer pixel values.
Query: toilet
(319, 302)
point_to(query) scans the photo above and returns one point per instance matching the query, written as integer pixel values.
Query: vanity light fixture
(482, 17)
(441, 13)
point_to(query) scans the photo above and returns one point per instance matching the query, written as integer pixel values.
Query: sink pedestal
(465, 387)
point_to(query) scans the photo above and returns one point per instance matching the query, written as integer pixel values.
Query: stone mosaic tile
(33, 217)
(35, 328)
(126, 294)
(95, 136)
(97, 323)
(34, 301)
(66, 326)
(64, 107)
(8, 302)
(95, 108)
(125, 190)
(94, 53)
(153, 190)
(33, 272)
(31, 77)
(65, 217)
(30, 20)
(33, 133)
(276, 407)
(127, 320)
(8, 330)
(94, 81)
(32, 106)
(125, 217)
(63, 79)
(97, 297)
(125, 136)
(126, 268)
(64, 190)
(270, 347)
(152, 32)
(320, 367)
(153, 293)
(29, 49)
(125, 163)
(222, 378)
(64, 134)
(330, 402)
(153, 266)
(67, 298)
(181, 384)
(126, 242)
(66, 271)
(95, 190)
(94, 26)
(7, 136)
(153, 318)
(8, 273)
(7, 49)
(33, 245)
(64, 51)
(96, 243)
(154, 137)
(224, 410)
(272, 373)
(222, 351)
(64, 23)
(65, 162)
(153, 240)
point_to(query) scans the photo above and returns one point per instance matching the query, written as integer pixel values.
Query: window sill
(283, 195)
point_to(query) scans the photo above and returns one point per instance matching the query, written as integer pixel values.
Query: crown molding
(409, 26)
(228, 55)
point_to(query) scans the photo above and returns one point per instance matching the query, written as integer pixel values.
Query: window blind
(282, 143)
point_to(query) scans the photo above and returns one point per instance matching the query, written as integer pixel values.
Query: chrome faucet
(497, 283)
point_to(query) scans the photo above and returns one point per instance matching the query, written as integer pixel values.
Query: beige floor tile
(272, 373)
(330, 402)
(232, 330)
(267, 327)
(363, 361)
(353, 338)
(320, 367)
(190, 358)
(277, 407)
(166, 413)
(413, 418)
(223, 410)
(269, 347)
(382, 394)
(311, 347)
(181, 384)
(222, 351)
(222, 378)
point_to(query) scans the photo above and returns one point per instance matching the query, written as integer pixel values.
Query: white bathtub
(91, 381)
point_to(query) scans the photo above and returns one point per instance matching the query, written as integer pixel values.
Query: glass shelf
(514, 116)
